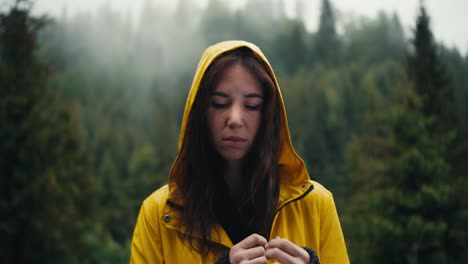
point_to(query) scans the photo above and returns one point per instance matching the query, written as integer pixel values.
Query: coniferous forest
(91, 104)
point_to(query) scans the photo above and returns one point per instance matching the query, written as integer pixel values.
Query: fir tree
(46, 195)
(290, 46)
(406, 201)
(432, 82)
(403, 200)
(326, 44)
(426, 70)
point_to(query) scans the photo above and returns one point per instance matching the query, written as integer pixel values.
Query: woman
(237, 192)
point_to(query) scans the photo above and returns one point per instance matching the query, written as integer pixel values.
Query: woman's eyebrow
(253, 95)
(250, 95)
(217, 93)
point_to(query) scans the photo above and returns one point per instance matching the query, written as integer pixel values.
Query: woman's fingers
(281, 256)
(260, 260)
(286, 252)
(249, 250)
(255, 250)
(250, 254)
(287, 246)
(252, 241)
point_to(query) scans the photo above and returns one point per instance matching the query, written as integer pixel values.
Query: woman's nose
(234, 117)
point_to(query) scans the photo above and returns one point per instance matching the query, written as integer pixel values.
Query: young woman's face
(234, 114)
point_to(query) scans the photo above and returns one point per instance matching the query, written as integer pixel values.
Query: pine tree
(46, 193)
(406, 202)
(290, 46)
(432, 82)
(426, 70)
(326, 40)
(403, 200)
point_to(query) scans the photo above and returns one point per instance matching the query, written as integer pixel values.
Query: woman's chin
(233, 155)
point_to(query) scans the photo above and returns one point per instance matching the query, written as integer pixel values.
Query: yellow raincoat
(306, 213)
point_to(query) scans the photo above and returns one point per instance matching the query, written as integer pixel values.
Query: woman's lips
(234, 141)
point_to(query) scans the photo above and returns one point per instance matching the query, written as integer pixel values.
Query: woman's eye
(253, 107)
(218, 105)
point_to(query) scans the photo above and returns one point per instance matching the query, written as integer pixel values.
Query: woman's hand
(251, 250)
(286, 252)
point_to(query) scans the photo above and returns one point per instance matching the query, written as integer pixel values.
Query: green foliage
(375, 40)
(408, 200)
(429, 74)
(327, 46)
(290, 46)
(101, 248)
(404, 200)
(47, 191)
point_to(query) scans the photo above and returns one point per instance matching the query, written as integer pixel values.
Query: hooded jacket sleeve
(332, 244)
(146, 241)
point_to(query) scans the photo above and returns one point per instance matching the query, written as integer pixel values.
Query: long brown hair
(198, 171)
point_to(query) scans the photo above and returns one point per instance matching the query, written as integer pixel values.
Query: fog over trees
(91, 105)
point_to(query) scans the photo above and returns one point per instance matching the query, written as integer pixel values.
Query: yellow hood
(292, 168)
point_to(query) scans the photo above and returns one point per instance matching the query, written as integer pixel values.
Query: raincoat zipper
(293, 200)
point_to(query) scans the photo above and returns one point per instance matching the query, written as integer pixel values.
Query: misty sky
(449, 17)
